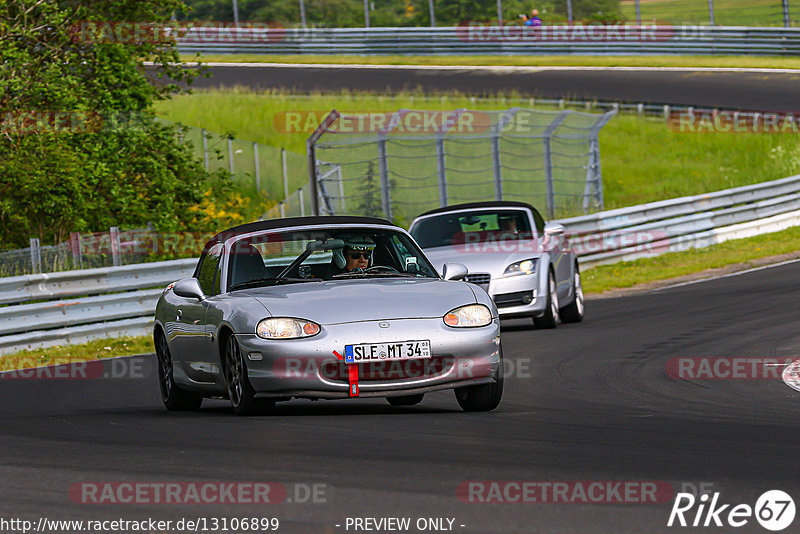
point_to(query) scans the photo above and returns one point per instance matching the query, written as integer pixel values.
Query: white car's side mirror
(553, 229)
(454, 271)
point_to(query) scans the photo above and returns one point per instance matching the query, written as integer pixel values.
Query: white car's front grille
(481, 279)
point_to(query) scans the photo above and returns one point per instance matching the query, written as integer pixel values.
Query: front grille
(504, 300)
(389, 369)
(480, 279)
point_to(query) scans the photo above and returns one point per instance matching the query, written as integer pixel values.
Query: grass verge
(598, 280)
(752, 62)
(97, 349)
(646, 270)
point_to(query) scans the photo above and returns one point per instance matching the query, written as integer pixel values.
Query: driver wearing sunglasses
(356, 254)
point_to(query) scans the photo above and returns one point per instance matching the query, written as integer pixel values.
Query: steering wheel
(386, 268)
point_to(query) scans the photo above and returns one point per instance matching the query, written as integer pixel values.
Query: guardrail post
(115, 246)
(36, 256)
(255, 161)
(383, 165)
(204, 133)
(75, 244)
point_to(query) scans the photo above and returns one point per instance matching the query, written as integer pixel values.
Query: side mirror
(454, 271)
(553, 229)
(188, 288)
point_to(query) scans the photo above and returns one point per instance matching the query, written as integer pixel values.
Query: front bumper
(518, 296)
(308, 368)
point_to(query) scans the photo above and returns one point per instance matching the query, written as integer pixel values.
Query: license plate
(377, 352)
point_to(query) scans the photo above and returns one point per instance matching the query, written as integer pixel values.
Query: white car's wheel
(551, 316)
(573, 312)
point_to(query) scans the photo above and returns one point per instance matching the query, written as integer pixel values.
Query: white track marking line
(737, 273)
(791, 375)
(498, 68)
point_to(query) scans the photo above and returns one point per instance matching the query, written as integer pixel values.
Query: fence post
(711, 12)
(204, 133)
(230, 155)
(366, 13)
(499, 12)
(303, 203)
(594, 175)
(36, 256)
(497, 170)
(569, 12)
(282, 210)
(433, 13)
(786, 19)
(115, 246)
(638, 13)
(548, 162)
(258, 173)
(311, 153)
(285, 174)
(440, 170)
(383, 165)
(302, 14)
(75, 244)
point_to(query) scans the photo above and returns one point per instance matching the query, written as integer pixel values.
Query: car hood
(344, 301)
(492, 260)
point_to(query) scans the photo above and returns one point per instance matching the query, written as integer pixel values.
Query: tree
(369, 202)
(80, 148)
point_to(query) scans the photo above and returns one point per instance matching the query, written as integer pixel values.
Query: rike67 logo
(774, 510)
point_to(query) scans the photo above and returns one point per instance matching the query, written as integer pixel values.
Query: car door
(192, 345)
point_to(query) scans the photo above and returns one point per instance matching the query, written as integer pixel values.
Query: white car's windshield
(314, 255)
(471, 227)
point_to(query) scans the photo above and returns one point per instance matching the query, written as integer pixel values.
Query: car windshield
(329, 254)
(472, 227)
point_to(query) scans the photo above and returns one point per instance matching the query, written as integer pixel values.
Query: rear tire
(574, 311)
(483, 398)
(174, 398)
(551, 316)
(406, 400)
(240, 391)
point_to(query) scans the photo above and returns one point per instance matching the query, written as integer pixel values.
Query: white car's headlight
(468, 316)
(286, 328)
(521, 267)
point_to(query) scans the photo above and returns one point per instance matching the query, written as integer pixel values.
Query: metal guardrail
(688, 222)
(17, 289)
(503, 40)
(122, 299)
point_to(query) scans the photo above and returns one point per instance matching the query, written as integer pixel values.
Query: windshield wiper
(264, 281)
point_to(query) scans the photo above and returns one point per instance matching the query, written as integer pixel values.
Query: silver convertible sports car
(525, 264)
(324, 308)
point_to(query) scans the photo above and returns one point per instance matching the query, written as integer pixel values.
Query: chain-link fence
(259, 168)
(82, 251)
(397, 165)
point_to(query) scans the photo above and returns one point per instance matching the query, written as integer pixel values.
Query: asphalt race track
(596, 404)
(762, 91)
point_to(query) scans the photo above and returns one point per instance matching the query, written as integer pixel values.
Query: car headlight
(521, 267)
(468, 316)
(286, 328)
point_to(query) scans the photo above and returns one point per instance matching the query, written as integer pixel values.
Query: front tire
(483, 398)
(551, 316)
(574, 311)
(240, 391)
(174, 398)
(405, 400)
